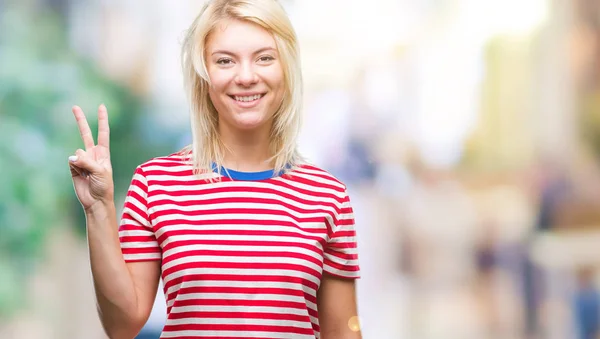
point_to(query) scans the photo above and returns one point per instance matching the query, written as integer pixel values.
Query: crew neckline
(245, 176)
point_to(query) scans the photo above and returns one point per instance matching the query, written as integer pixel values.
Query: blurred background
(467, 132)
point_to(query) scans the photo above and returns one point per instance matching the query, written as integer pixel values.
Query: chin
(249, 122)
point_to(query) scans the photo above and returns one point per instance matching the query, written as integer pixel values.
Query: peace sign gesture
(91, 169)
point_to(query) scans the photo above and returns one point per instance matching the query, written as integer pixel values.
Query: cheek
(275, 80)
(217, 93)
(215, 98)
(219, 80)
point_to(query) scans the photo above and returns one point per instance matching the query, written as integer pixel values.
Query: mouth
(247, 99)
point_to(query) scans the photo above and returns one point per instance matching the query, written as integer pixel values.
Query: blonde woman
(250, 241)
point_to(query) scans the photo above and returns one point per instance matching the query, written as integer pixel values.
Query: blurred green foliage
(41, 78)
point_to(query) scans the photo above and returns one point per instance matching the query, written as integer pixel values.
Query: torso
(243, 256)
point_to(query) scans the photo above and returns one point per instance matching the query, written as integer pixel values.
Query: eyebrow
(256, 52)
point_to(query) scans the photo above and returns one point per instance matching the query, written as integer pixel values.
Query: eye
(266, 58)
(224, 61)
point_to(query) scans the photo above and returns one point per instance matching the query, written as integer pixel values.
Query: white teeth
(248, 98)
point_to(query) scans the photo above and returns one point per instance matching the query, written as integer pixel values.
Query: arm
(336, 302)
(336, 297)
(125, 293)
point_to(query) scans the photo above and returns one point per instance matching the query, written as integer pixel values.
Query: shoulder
(317, 176)
(170, 163)
(172, 169)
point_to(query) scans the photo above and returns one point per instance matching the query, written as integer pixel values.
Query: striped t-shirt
(243, 256)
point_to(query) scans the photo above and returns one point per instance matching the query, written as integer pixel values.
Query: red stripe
(341, 245)
(241, 303)
(241, 266)
(253, 200)
(218, 337)
(240, 327)
(199, 223)
(315, 184)
(271, 188)
(232, 243)
(138, 238)
(134, 208)
(232, 253)
(241, 290)
(140, 250)
(130, 224)
(253, 211)
(345, 268)
(250, 233)
(239, 277)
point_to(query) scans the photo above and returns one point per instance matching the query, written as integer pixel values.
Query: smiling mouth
(249, 98)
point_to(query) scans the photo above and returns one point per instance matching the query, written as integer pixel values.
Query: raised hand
(91, 169)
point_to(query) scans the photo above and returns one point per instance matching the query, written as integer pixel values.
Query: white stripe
(258, 206)
(135, 219)
(242, 284)
(318, 179)
(140, 244)
(199, 195)
(142, 256)
(228, 247)
(240, 259)
(343, 262)
(239, 321)
(167, 159)
(339, 240)
(300, 228)
(345, 216)
(322, 190)
(348, 251)
(178, 177)
(175, 174)
(221, 216)
(208, 199)
(315, 171)
(200, 187)
(141, 219)
(346, 204)
(234, 334)
(162, 167)
(135, 188)
(246, 272)
(238, 296)
(135, 233)
(333, 270)
(311, 306)
(257, 238)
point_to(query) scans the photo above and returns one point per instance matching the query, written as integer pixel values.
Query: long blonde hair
(207, 148)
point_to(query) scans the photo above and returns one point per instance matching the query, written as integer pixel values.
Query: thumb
(83, 161)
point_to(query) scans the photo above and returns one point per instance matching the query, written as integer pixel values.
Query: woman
(250, 241)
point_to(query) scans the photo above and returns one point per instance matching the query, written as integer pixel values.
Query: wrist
(101, 209)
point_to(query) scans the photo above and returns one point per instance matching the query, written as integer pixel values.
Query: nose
(246, 75)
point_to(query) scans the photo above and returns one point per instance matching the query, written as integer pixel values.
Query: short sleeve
(138, 242)
(341, 253)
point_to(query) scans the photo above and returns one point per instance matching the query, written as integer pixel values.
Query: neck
(246, 151)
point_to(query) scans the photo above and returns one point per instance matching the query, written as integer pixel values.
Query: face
(246, 75)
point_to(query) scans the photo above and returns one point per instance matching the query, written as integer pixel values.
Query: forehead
(239, 36)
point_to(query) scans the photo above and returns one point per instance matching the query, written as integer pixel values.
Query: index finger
(84, 128)
(103, 129)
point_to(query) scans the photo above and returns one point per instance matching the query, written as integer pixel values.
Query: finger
(77, 172)
(84, 128)
(82, 161)
(103, 129)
